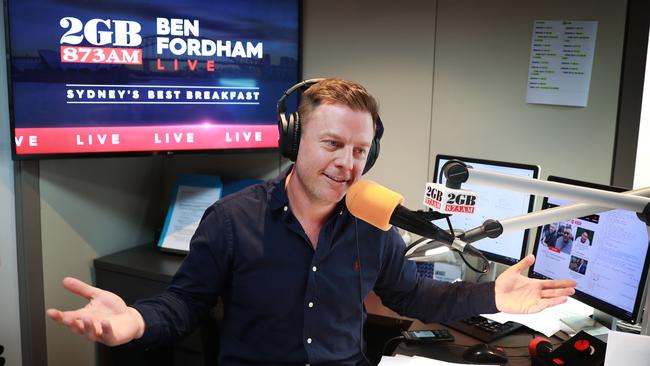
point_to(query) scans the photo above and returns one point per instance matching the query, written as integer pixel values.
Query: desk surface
(515, 345)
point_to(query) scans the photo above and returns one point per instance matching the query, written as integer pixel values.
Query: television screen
(89, 77)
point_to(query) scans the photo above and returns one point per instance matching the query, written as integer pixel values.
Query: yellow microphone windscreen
(372, 203)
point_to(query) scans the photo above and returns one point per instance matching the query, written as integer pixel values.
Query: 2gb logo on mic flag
(446, 200)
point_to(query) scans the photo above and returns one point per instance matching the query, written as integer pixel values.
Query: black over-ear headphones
(289, 126)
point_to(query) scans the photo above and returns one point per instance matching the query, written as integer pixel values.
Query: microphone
(382, 207)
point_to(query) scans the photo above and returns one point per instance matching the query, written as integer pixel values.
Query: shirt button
(308, 340)
(314, 268)
(285, 208)
(311, 304)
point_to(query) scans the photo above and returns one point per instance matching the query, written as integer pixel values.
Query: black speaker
(289, 127)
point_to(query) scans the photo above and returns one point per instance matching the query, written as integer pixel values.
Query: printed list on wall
(561, 57)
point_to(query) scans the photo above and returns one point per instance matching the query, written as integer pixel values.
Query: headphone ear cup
(283, 140)
(373, 153)
(293, 136)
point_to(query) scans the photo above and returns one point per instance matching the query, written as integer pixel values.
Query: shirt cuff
(485, 291)
(151, 332)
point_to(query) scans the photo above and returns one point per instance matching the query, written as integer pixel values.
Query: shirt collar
(278, 198)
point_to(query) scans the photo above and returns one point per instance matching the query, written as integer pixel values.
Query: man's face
(584, 237)
(552, 229)
(566, 235)
(333, 149)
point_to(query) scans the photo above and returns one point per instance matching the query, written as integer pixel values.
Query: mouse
(484, 353)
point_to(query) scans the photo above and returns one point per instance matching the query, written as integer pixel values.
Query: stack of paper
(547, 321)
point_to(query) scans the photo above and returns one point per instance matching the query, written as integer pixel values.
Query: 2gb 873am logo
(117, 34)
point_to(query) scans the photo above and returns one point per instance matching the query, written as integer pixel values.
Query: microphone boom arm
(596, 200)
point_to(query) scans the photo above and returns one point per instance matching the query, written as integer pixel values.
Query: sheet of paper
(561, 58)
(400, 360)
(547, 321)
(192, 195)
(627, 348)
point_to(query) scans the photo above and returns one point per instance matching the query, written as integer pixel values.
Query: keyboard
(484, 329)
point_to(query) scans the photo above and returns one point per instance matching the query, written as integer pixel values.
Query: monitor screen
(494, 203)
(143, 76)
(606, 253)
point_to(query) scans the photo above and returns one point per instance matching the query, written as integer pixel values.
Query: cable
(383, 348)
(462, 256)
(451, 229)
(356, 234)
(408, 247)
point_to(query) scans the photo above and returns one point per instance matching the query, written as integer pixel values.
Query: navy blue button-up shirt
(286, 302)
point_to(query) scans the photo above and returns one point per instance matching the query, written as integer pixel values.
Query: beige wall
(10, 314)
(95, 207)
(90, 208)
(388, 47)
(479, 109)
(450, 76)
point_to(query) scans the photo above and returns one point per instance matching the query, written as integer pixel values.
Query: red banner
(101, 55)
(143, 138)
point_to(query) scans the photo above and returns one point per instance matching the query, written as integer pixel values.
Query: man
(293, 266)
(549, 235)
(583, 239)
(565, 242)
(583, 266)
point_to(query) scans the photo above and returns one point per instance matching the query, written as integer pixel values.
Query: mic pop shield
(372, 203)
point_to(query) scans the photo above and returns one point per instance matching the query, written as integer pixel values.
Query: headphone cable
(356, 234)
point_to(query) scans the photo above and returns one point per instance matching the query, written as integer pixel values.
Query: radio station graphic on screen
(136, 76)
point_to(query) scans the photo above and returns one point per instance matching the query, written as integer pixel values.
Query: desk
(515, 345)
(143, 272)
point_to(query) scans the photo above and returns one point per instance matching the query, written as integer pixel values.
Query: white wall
(10, 314)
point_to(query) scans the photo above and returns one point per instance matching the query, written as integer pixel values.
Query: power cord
(383, 348)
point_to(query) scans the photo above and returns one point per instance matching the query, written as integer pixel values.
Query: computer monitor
(606, 253)
(494, 203)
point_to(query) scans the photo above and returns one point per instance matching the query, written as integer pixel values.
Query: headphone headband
(289, 127)
(282, 102)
